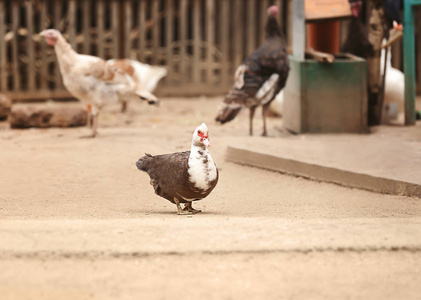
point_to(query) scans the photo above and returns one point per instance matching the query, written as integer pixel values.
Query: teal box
(326, 97)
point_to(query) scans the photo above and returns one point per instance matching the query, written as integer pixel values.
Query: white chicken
(394, 92)
(92, 80)
(145, 75)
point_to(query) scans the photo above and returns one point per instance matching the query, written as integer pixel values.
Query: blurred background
(199, 42)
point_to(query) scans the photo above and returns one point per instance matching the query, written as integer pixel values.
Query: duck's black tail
(143, 163)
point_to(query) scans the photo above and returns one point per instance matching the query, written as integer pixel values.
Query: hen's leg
(265, 110)
(95, 114)
(180, 211)
(94, 124)
(89, 115)
(252, 110)
(189, 207)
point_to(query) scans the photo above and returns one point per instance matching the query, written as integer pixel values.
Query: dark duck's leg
(123, 106)
(188, 207)
(265, 110)
(180, 211)
(252, 110)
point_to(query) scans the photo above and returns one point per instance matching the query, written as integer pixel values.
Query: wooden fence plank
(127, 28)
(183, 39)
(72, 23)
(58, 26)
(396, 49)
(43, 71)
(263, 17)
(15, 49)
(115, 26)
(417, 19)
(86, 29)
(197, 40)
(251, 27)
(100, 28)
(238, 34)
(289, 22)
(142, 35)
(224, 34)
(210, 38)
(3, 57)
(279, 4)
(30, 46)
(169, 40)
(155, 32)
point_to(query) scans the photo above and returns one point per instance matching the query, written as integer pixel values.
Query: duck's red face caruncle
(204, 137)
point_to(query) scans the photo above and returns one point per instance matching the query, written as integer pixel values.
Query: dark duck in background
(260, 77)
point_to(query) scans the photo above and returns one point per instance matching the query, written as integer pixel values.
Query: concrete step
(355, 179)
(386, 161)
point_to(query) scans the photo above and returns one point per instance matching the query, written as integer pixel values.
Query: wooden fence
(199, 41)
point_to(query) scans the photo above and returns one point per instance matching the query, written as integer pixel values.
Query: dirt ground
(55, 174)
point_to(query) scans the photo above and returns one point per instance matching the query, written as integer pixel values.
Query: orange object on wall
(323, 36)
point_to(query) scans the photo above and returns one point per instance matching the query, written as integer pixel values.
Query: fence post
(15, 49)
(409, 61)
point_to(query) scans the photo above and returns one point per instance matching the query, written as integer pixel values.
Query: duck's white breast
(202, 169)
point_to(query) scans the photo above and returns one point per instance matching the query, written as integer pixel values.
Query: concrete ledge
(322, 173)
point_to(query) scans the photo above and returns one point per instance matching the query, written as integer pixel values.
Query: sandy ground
(54, 174)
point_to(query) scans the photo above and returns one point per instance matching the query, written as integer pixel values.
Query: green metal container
(326, 97)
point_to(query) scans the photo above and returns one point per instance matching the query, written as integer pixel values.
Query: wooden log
(47, 115)
(5, 106)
